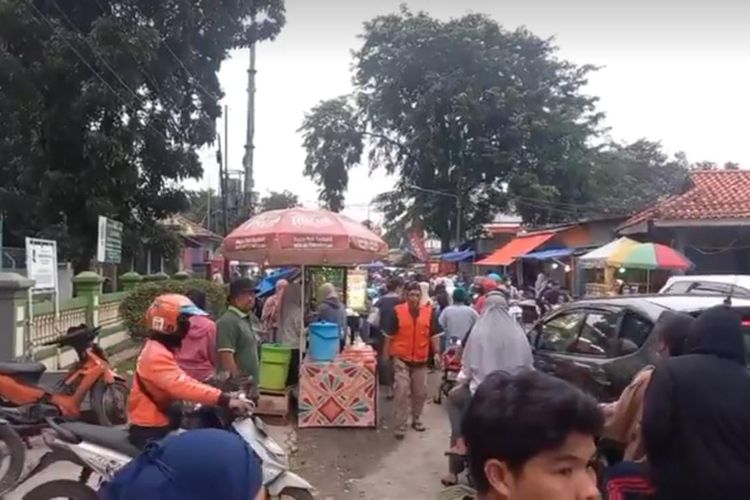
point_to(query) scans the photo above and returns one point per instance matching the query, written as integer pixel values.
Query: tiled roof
(713, 194)
(188, 228)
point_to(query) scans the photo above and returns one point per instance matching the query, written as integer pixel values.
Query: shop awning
(515, 249)
(457, 256)
(556, 253)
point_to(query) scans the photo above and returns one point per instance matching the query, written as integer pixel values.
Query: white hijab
(425, 288)
(497, 342)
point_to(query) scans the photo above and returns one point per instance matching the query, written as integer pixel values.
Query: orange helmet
(169, 313)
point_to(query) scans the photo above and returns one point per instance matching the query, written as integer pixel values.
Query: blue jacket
(195, 465)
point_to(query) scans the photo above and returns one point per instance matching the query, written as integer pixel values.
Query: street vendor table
(340, 393)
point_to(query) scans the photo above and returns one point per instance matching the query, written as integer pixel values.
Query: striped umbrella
(649, 256)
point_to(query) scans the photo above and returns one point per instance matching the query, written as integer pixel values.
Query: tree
(730, 165)
(278, 200)
(463, 107)
(104, 105)
(627, 178)
(705, 165)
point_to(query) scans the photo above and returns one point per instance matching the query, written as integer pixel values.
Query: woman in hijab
(290, 326)
(496, 342)
(425, 288)
(271, 308)
(194, 465)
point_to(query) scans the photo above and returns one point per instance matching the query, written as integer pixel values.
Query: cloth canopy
(555, 253)
(458, 256)
(515, 249)
(599, 256)
(650, 256)
(299, 236)
(267, 286)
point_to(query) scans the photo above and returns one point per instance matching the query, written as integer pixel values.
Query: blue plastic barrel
(324, 341)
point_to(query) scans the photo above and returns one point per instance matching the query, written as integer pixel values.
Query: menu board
(356, 289)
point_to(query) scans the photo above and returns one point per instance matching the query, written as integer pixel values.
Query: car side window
(709, 288)
(598, 335)
(634, 331)
(679, 287)
(560, 332)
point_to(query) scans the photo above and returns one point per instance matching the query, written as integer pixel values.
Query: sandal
(400, 433)
(389, 394)
(418, 426)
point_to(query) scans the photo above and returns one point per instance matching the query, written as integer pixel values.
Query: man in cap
(238, 333)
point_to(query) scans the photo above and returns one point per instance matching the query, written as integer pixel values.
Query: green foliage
(133, 308)
(333, 141)
(627, 178)
(105, 104)
(276, 200)
(462, 106)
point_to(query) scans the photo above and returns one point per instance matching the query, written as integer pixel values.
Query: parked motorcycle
(104, 450)
(451, 368)
(26, 400)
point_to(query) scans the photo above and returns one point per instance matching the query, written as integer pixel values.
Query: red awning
(522, 245)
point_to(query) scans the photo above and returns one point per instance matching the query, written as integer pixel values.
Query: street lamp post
(459, 206)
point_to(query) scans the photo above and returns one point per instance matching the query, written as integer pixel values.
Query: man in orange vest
(411, 333)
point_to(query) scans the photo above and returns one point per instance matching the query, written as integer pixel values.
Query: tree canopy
(278, 200)
(104, 104)
(466, 113)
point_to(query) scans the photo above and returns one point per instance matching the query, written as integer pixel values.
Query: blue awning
(555, 253)
(268, 285)
(458, 255)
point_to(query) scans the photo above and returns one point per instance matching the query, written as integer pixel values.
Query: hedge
(133, 308)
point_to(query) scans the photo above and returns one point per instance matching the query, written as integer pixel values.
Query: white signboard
(109, 242)
(41, 264)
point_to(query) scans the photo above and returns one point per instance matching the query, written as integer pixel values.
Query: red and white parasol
(303, 237)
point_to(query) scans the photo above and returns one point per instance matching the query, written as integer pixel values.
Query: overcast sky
(676, 72)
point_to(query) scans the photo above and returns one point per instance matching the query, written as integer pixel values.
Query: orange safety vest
(411, 342)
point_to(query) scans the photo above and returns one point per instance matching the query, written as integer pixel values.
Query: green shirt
(238, 332)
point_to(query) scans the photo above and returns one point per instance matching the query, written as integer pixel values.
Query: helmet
(169, 314)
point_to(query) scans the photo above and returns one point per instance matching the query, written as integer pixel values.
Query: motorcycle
(27, 401)
(105, 450)
(451, 368)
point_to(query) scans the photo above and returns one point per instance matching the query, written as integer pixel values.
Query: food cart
(341, 392)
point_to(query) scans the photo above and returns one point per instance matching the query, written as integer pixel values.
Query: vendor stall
(340, 393)
(334, 390)
(633, 264)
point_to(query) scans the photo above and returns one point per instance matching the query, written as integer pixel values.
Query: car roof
(654, 305)
(730, 279)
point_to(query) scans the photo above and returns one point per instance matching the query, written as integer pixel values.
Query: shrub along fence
(133, 307)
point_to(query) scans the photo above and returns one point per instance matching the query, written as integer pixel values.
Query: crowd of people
(682, 427)
(683, 424)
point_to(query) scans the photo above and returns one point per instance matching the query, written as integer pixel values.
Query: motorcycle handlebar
(73, 334)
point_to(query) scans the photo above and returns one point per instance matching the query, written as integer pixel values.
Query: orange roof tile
(713, 194)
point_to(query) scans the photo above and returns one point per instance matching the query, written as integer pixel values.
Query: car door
(578, 345)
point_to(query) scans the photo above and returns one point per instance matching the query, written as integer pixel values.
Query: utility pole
(225, 171)
(247, 161)
(222, 183)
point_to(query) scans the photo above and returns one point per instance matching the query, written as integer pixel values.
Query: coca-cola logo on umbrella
(299, 220)
(262, 221)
